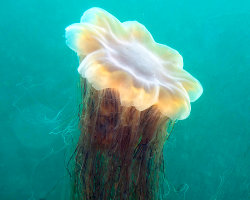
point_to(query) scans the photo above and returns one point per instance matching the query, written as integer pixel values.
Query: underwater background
(207, 155)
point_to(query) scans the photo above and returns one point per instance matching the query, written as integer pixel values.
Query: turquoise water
(207, 156)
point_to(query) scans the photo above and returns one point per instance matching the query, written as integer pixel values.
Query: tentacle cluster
(120, 151)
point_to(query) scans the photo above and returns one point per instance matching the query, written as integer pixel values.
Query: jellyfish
(133, 89)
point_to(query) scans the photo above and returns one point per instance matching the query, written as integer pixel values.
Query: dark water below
(207, 156)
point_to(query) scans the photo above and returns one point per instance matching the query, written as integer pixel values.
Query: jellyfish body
(133, 89)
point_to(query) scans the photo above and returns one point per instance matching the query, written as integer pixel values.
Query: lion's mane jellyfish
(133, 90)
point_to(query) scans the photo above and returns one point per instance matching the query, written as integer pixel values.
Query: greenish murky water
(207, 156)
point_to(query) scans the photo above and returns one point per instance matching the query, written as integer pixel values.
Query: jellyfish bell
(125, 57)
(133, 88)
